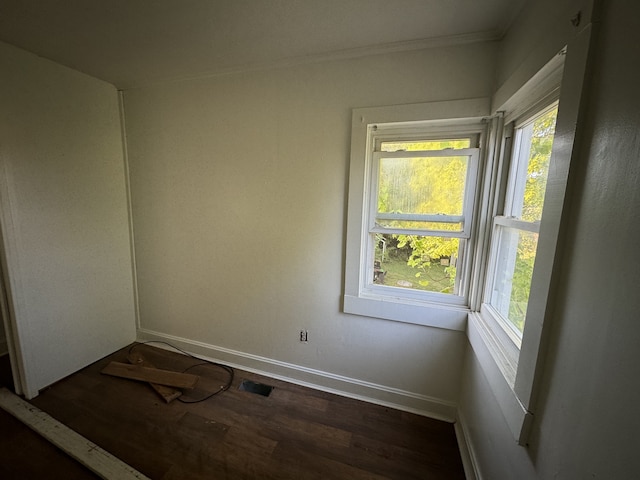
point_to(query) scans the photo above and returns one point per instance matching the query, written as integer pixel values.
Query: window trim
(516, 390)
(465, 217)
(497, 346)
(441, 117)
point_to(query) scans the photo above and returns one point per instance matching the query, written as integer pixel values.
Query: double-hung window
(505, 333)
(412, 198)
(420, 211)
(454, 220)
(534, 134)
(516, 229)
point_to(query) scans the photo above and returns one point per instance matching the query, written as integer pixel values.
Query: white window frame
(376, 134)
(509, 336)
(513, 368)
(456, 118)
(512, 371)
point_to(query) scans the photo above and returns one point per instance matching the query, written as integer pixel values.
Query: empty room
(330, 239)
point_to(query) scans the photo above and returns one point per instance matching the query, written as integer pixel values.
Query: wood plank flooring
(26, 455)
(294, 433)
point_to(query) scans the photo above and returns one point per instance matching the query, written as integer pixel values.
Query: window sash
(468, 199)
(375, 155)
(464, 234)
(517, 163)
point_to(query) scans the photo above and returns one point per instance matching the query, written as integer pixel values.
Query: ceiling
(132, 43)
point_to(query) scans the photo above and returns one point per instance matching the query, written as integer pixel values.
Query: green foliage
(538, 166)
(521, 282)
(533, 202)
(436, 185)
(426, 185)
(432, 185)
(425, 250)
(433, 278)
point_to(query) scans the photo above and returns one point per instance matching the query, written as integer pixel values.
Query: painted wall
(537, 34)
(239, 208)
(585, 425)
(64, 216)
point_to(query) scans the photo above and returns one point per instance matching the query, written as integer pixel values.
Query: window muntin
(421, 205)
(516, 231)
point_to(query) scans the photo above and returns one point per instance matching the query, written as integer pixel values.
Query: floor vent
(253, 387)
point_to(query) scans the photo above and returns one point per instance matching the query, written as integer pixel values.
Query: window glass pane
(416, 262)
(535, 141)
(514, 269)
(417, 145)
(411, 187)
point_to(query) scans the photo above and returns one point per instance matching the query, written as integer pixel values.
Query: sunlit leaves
(532, 201)
(433, 185)
(538, 167)
(424, 185)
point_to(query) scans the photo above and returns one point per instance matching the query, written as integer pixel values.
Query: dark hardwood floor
(26, 455)
(294, 433)
(6, 378)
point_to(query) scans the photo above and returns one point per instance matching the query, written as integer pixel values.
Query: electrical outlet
(304, 335)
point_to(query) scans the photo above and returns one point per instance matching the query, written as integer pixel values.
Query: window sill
(450, 317)
(499, 370)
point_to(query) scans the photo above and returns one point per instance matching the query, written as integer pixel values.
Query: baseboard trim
(308, 377)
(469, 459)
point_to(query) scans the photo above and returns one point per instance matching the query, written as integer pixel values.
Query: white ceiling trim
(346, 54)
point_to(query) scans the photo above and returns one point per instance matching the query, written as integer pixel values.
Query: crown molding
(337, 55)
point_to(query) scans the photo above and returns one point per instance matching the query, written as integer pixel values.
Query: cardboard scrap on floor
(151, 375)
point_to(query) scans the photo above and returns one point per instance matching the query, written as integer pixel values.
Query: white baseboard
(317, 379)
(469, 462)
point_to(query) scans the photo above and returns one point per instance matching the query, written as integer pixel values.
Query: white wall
(537, 34)
(64, 216)
(585, 425)
(239, 204)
